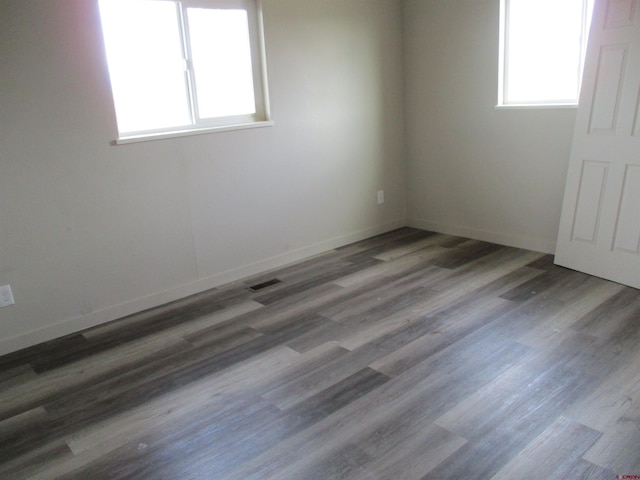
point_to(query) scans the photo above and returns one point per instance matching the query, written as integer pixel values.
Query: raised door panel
(605, 106)
(589, 205)
(627, 237)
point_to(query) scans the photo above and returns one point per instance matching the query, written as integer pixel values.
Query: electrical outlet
(380, 197)
(6, 296)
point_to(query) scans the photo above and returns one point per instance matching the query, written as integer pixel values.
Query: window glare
(146, 65)
(544, 51)
(222, 62)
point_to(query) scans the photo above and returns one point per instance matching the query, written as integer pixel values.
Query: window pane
(221, 55)
(544, 49)
(146, 65)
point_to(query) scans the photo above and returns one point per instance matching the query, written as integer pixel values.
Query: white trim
(259, 118)
(186, 133)
(503, 62)
(535, 106)
(81, 322)
(266, 102)
(502, 59)
(526, 243)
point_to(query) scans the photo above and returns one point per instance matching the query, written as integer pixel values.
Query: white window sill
(526, 106)
(147, 137)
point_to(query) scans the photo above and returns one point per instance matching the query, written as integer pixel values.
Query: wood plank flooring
(410, 355)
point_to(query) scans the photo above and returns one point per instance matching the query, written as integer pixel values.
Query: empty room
(319, 239)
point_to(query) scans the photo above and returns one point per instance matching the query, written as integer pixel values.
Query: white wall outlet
(380, 197)
(6, 296)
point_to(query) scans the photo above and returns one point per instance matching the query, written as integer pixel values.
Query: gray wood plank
(410, 355)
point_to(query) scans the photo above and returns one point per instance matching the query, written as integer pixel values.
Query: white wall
(496, 175)
(90, 231)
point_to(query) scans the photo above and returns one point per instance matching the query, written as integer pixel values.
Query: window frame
(262, 115)
(503, 102)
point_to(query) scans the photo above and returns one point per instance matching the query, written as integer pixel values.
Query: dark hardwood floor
(410, 355)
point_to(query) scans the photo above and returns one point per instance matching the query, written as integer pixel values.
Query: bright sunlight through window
(176, 68)
(542, 49)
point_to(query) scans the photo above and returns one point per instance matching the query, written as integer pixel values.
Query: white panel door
(600, 226)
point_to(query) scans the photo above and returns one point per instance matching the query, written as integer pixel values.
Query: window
(542, 48)
(184, 67)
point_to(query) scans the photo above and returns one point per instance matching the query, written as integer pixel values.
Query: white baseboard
(114, 312)
(527, 243)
